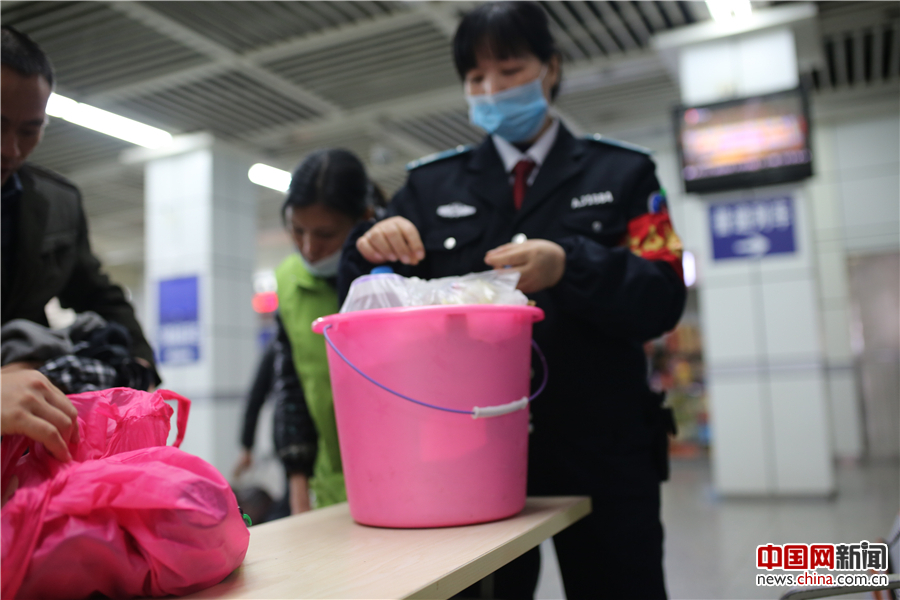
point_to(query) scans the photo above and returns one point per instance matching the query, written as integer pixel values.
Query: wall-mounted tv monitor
(744, 143)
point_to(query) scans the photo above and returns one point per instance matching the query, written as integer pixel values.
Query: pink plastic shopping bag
(129, 516)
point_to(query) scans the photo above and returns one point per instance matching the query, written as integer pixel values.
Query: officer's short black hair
(504, 29)
(22, 54)
(335, 178)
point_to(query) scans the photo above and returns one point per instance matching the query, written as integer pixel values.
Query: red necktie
(521, 171)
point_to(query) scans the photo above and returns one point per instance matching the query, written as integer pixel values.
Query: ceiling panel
(371, 69)
(861, 45)
(648, 99)
(69, 148)
(93, 47)
(321, 74)
(266, 23)
(291, 153)
(227, 104)
(440, 130)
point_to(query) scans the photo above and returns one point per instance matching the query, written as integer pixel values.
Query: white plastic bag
(389, 290)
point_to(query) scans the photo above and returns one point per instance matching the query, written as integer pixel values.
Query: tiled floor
(711, 542)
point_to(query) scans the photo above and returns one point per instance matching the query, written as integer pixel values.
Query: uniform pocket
(603, 224)
(453, 236)
(455, 248)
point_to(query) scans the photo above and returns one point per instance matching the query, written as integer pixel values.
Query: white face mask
(325, 267)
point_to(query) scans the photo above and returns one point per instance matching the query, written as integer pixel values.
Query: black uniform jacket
(53, 258)
(596, 425)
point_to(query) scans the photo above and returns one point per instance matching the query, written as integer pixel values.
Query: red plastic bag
(129, 516)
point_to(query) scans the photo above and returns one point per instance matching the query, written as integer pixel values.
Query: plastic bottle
(382, 288)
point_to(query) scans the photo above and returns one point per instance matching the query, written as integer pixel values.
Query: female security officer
(584, 221)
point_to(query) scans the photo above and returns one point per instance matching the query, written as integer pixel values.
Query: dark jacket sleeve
(296, 438)
(91, 289)
(622, 293)
(262, 385)
(353, 265)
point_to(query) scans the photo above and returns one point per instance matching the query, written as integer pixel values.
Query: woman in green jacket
(330, 194)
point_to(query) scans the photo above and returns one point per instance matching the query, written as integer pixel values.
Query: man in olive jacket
(45, 248)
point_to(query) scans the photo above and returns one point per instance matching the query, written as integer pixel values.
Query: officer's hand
(391, 240)
(540, 262)
(32, 406)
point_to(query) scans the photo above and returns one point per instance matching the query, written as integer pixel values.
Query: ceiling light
(107, 122)
(269, 177)
(726, 10)
(689, 266)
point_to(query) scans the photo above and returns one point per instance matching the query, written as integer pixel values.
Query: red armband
(651, 236)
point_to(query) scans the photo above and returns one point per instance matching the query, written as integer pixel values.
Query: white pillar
(200, 215)
(761, 316)
(834, 293)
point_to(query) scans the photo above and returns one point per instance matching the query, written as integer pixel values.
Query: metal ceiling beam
(405, 143)
(673, 13)
(579, 33)
(597, 28)
(617, 26)
(868, 14)
(699, 11)
(441, 15)
(653, 15)
(411, 106)
(634, 20)
(224, 60)
(335, 37)
(159, 84)
(578, 76)
(221, 55)
(637, 65)
(561, 36)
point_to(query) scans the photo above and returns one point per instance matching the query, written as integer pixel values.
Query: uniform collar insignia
(455, 210)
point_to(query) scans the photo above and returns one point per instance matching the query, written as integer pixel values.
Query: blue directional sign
(753, 228)
(179, 323)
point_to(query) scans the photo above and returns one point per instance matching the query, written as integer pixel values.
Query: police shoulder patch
(426, 160)
(657, 202)
(599, 139)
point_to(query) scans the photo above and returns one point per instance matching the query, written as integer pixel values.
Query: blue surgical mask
(325, 267)
(516, 114)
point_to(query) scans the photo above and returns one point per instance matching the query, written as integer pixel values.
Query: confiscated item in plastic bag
(128, 516)
(389, 290)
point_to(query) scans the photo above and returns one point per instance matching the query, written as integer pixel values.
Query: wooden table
(325, 554)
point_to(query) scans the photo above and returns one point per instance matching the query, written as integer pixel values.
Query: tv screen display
(744, 143)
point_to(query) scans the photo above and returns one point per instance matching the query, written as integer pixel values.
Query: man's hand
(11, 488)
(244, 462)
(146, 364)
(541, 263)
(391, 240)
(19, 366)
(298, 493)
(32, 406)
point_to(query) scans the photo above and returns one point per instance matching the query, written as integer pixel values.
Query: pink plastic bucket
(408, 465)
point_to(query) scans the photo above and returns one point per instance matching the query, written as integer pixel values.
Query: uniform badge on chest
(592, 200)
(455, 210)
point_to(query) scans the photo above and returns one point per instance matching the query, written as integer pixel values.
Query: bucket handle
(477, 412)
